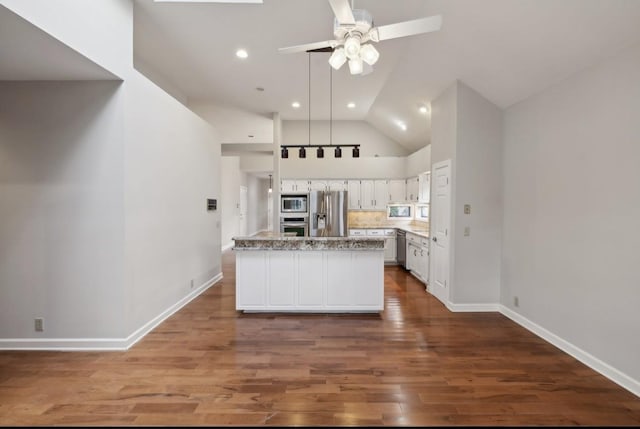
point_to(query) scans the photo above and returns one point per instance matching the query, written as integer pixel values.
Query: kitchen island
(281, 273)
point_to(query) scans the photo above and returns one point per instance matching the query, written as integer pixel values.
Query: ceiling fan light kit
(353, 28)
(338, 58)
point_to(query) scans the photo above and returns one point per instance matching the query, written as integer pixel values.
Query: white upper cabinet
(353, 192)
(317, 185)
(397, 190)
(337, 185)
(381, 194)
(374, 194)
(367, 195)
(412, 189)
(290, 186)
(424, 187)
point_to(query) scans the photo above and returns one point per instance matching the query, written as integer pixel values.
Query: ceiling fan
(352, 28)
(208, 1)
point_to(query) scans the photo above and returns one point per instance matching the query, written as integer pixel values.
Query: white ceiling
(28, 53)
(506, 50)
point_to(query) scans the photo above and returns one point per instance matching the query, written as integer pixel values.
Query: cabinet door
(424, 263)
(424, 187)
(390, 249)
(353, 192)
(287, 186)
(367, 194)
(412, 189)
(412, 257)
(381, 194)
(317, 185)
(397, 191)
(337, 185)
(302, 186)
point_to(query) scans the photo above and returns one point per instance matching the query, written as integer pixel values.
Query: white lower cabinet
(312, 281)
(418, 256)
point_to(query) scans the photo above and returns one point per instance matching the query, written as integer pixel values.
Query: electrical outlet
(39, 324)
(516, 302)
(467, 231)
(467, 209)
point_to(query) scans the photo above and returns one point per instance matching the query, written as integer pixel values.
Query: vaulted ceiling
(506, 50)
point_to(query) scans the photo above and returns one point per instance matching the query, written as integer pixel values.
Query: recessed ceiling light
(295, 104)
(424, 110)
(351, 105)
(241, 53)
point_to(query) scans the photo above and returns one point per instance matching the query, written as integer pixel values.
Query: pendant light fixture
(302, 149)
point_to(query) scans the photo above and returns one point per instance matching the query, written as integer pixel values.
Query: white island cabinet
(309, 274)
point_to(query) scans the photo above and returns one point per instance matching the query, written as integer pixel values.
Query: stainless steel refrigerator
(328, 213)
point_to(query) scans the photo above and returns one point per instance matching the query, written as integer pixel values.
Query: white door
(317, 185)
(440, 227)
(397, 191)
(242, 206)
(353, 193)
(337, 185)
(381, 194)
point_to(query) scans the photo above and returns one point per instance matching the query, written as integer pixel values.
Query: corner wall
(61, 211)
(571, 207)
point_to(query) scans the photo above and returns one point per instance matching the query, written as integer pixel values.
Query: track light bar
(302, 153)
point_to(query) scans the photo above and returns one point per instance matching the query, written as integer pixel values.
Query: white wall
(343, 168)
(61, 209)
(418, 162)
(372, 141)
(478, 179)
(257, 192)
(171, 168)
(235, 125)
(103, 192)
(571, 241)
(231, 179)
(100, 30)
(467, 129)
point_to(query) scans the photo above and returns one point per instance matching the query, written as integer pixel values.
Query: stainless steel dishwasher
(401, 248)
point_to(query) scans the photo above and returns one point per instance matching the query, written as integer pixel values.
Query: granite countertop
(286, 242)
(414, 229)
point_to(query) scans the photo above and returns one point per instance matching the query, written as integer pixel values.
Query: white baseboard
(459, 308)
(227, 246)
(591, 361)
(103, 344)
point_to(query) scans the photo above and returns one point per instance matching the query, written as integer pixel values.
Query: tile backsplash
(372, 219)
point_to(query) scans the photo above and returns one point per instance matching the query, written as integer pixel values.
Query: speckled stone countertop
(283, 242)
(417, 230)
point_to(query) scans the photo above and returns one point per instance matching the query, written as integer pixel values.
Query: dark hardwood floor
(414, 364)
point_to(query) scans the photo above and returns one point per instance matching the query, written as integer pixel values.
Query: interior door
(440, 230)
(242, 215)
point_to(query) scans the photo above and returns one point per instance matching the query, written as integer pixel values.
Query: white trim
(103, 344)
(591, 361)
(461, 308)
(227, 246)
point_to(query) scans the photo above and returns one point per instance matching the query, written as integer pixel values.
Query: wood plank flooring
(414, 364)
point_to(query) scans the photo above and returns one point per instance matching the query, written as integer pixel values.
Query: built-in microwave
(293, 204)
(400, 211)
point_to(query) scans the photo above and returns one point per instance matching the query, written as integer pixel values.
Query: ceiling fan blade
(308, 47)
(209, 1)
(342, 11)
(409, 28)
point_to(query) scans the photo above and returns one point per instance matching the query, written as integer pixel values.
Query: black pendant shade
(302, 150)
